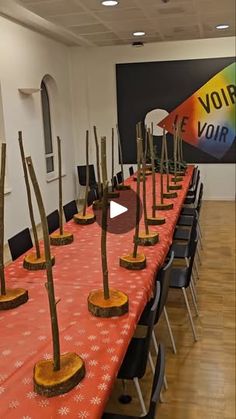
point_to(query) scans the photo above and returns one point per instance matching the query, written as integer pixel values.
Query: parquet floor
(201, 376)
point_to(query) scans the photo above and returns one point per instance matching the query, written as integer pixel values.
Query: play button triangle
(116, 209)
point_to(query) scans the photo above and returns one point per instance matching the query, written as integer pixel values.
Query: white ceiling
(87, 22)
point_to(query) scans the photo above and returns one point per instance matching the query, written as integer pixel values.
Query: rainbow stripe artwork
(207, 118)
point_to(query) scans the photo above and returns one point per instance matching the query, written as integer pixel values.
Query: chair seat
(182, 234)
(185, 220)
(188, 211)
(178, 277)
(132, 365)
(181, 251)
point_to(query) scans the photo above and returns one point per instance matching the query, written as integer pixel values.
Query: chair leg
(199, 256)
(190, 315)
(196, 268)
(194, 288)
(170, 331)
(165, 383)
(151, 362)
(140, 396)
(194, 299)
(155, 342)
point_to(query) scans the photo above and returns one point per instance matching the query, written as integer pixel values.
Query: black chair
(183, 250)
(119, 177)
(114, 181)
(69, 210)
(82, 176)
(20, 243)
(163, 277)
(192, 210)
(192, 192)
(92, 196)
(53, 221)
(180, 278)
(156, 390)
(131, 170)
(134, 364)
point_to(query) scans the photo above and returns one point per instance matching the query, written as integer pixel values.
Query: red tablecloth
(102, 343)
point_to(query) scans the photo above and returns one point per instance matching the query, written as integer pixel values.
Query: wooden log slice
(164, 207)
(135, 178)
(112, 195)
(123, 187)
(129, 262)
(84, 219)
(170, 195)
(57, 239)
(155, 221)
(175, 187)
(50, 383)
(149, 166)
(176, 179)
(32, 263)
(14, 297)
(98, 204)
(148, 239)
(116, 305)
(148, 172)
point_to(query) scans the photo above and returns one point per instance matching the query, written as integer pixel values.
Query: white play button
(116, 209)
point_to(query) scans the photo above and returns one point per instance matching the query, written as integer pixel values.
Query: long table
(102, 343)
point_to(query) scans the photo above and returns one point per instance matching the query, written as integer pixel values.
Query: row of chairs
(81, 170)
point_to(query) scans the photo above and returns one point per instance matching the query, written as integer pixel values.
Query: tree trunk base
(57, 239)
(175, 187)
(123, 187)
(84, 219)
(116, 305)
(155, 221)
(50, 383)
(148, 239)
(113, 194)
(134, 264)
(164, 207)
(14, 297)
(170, 195)
(32, 263)
(176, 179)
(98, 204)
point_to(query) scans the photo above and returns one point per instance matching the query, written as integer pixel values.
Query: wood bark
(49, 284)
(28, 191)
(139, 151)
(144, 192)
(104, 219)
(87, 174)
(120, 153)
(112, 160)
(175, 157)
(162, 163)
(60, 186)
(98, 162)
(167, 163)
(150, 137)
(2, 186)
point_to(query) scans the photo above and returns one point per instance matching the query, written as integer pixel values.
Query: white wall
(94, 94)
(25, 57)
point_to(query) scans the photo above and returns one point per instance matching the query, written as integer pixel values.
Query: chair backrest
(194, 176)
(195, 185)
(199, 201)
(20, 243)
(82, 175)
(163, 277)
(119, 177)
(157, 382)
(69, 210)
(131, 170)
(92, 196)
(53, 221)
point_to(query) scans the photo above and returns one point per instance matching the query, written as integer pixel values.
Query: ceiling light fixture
(110, 3)
(139, 33)
(222, 26)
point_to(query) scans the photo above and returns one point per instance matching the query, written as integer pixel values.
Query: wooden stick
(98, 162)
(28, 191)
(87, 174)
(112, 160)
(121, 154)
(146, 144)
(144, 191)
(60, 185)
(2, 186)
(162, 162)
(49, 284)
(104, 219)
(174, 140)
(139, 150)
(150, 137)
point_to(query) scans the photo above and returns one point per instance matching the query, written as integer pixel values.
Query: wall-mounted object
(29, 90)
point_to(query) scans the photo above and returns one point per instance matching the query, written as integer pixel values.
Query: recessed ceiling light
(110, 3)
(139, 33)
(222, 26)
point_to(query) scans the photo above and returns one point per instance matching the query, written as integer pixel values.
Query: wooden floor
(201, 376)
